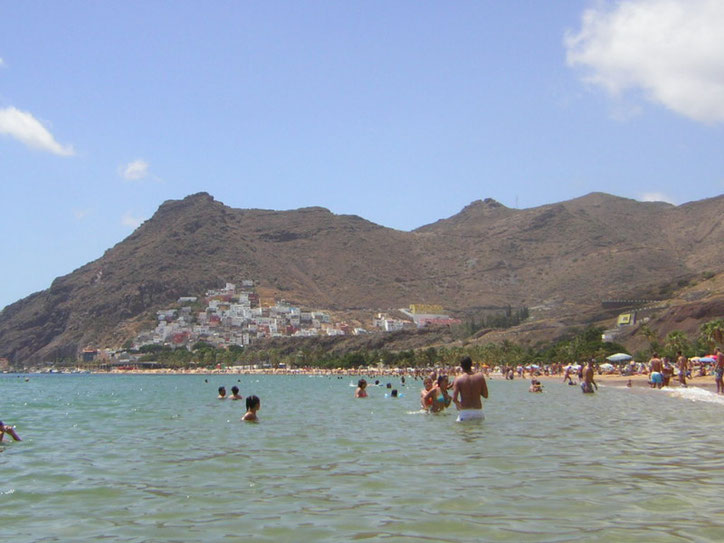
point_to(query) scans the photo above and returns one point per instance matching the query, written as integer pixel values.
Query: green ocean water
(130, 458)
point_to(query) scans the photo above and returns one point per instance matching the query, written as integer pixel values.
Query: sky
(400, 112)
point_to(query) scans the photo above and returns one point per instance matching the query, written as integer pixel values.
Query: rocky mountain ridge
(565, 257)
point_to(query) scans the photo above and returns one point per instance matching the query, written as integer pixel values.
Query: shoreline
(637, 381)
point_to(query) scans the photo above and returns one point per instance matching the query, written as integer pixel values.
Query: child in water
(7, 429)
(222, 393)
(253, 404)
(235, 393)
(361, 391)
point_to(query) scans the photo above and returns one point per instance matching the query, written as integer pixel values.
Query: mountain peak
(471, 215)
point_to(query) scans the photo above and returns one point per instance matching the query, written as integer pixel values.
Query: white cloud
(657, 197)
(25, 128)
(132, 222)
(670, 50)
(134, 171)
(81, 214)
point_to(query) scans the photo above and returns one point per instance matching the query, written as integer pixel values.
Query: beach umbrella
(706, 360)
(619, 357)
(606, 367)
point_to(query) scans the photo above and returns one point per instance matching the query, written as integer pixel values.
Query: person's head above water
(235, 390)
(362, 383)
(252, 402)
(466, 363)
(222, 391)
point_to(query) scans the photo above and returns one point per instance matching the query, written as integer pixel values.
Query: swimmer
(535, 386)
(438, 397)
(235, 393)
(468, 388)
(7, 429)
(629, 383)
(361, 391)
(253, 404)
(393, 394)
(222, 393)
(426, 402)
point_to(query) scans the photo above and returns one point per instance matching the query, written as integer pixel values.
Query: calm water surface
(158, 458)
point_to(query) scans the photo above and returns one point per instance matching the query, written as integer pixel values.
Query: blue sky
(401, 112)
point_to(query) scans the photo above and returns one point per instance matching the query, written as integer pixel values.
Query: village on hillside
(236, 315)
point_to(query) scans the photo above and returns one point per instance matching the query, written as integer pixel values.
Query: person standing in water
(468, 388)
(588, 381)
(361, 391)
(425, 400)
(253, 404)
(438, 397)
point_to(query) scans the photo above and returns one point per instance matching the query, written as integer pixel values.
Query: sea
(158, 458)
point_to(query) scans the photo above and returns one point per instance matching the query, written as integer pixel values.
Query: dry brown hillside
(563, 258)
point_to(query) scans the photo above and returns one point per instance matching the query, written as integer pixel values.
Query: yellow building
(625, 319)
(425, 309)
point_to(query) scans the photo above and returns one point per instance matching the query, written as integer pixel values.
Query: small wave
(696, 394)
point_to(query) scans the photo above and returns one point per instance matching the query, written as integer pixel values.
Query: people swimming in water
(439, 395)
(535, 386)
(253, 404)
(361, 391)
(7, 429)
(222, 393)
(235, 393)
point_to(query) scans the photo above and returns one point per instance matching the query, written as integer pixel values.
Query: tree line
(578, 345)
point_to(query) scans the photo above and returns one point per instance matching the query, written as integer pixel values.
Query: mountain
(562, 258)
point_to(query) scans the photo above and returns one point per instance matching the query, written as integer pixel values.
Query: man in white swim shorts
(468, 388)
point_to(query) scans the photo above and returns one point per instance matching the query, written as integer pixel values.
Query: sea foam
(695, 394)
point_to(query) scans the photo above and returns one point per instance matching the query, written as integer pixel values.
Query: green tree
(650, 336)
(712, 333)
(676, 341)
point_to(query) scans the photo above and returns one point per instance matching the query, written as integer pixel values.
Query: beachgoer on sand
(719, 370)
(656, 366)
